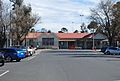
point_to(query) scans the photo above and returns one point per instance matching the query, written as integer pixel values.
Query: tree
(43, 30)
(22, 21)
(103, 17)
(18, 2)
(92, 25)
(76, 31)
(64, 30)
(116, 19)
(2, 28)
(60, 32)
(4, 22)
(83, 28)
(32, 30)
(49, 31)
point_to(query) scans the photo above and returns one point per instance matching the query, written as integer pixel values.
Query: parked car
(103, 49)
(1, 59)
(112, 50)
(11, 54)
(31, 50)
(22, 48)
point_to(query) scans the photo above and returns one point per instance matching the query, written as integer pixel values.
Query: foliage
(32, 30)
(83, 28)
(105, 20)
(116, 19)
(60, 32)
(76, 31)
(49, 31)
(22, 21)
(43, 30)
(64, 30)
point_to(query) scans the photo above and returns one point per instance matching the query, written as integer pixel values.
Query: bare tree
(4, 22)
(116, 19)
(103, 16)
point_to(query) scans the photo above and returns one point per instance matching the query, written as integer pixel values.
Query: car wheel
(108, 53)
(18, 60)
(2, 63)
(8, 59)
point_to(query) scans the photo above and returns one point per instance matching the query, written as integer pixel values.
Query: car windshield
(19, 49)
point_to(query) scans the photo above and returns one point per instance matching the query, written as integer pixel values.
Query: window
(47, 41)
(112, 48)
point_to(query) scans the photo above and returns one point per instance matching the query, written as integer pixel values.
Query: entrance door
(71, 45)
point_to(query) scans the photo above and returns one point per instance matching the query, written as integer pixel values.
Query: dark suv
(1, 59)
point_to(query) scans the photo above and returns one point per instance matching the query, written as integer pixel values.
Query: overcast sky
(56, 14)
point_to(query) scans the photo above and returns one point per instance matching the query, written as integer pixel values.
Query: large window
(47, 41)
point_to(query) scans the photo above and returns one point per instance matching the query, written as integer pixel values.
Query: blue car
(1, 59)
(11, 54)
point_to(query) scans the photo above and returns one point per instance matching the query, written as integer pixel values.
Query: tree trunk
(111, 41)
(2, 41)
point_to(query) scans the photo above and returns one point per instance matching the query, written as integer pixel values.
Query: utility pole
(93, 40)
(81, 15)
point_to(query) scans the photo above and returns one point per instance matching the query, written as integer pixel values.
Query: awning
(68, 40)
(105, 40)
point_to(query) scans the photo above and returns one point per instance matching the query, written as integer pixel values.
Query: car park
(1, 59)
(11, 54)
(112, 50)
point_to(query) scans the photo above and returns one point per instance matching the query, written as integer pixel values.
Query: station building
(66, 40)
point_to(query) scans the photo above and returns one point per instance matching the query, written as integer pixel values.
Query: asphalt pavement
(58, 65)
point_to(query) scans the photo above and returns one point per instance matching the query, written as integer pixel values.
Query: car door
(118, 50)
(114, 50)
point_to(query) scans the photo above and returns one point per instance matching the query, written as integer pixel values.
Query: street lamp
(81, 15)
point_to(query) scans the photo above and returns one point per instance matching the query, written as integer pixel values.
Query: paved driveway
(63, 66)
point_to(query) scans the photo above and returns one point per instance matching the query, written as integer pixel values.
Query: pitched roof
(71, 35)
(33, 35)
(89, 35)
(59, 35)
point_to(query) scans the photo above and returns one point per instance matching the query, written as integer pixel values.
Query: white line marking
(116, 80)
(4, 73)
(31, 57)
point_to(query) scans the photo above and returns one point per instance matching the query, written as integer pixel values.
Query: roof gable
(96, 36)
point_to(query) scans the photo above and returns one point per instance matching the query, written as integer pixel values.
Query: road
(63, 66)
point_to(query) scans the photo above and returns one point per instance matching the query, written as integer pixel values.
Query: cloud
(55, 27)
(61, 12)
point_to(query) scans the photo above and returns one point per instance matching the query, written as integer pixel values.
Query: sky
(56, 14)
